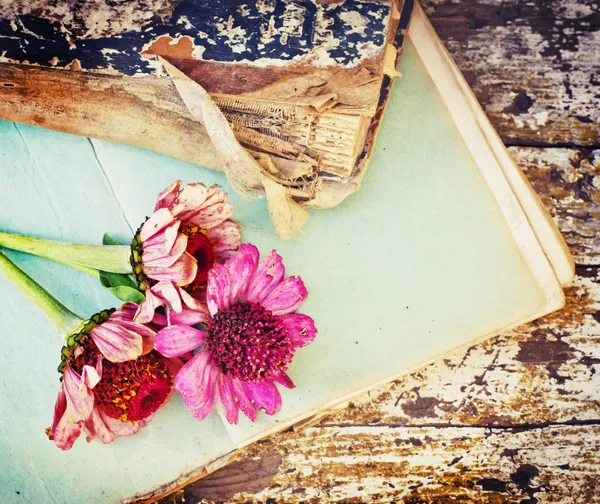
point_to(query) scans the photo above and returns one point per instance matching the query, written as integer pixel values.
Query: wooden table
(516, 419)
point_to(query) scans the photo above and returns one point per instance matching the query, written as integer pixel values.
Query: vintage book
(444, 245)
(302, 84)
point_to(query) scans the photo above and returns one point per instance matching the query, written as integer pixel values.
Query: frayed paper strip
(244, 173)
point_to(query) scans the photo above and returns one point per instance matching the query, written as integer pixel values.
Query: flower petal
(64, 432)
(145, 311)
(284, 380)
(194, 303)
(286, 297)
(167, 196)
(264, 395)
(232, 411)
(172, 238)
(206, 408)
(95, 427)
(146, 334)
(126, 311)
(218, 289)
(122, 428)
(189, 200)
(268, 276)
(181, 272)
(117, 343)
(301, 328)
(79, 397)
(186, 316)
(163, 249)
(174, 364)
(157, 222)
(242, 399)
(241, 267)
(225, 240)
(168, 292)
(176, 340)
(197, 383)
(90, 376)
(212, 212)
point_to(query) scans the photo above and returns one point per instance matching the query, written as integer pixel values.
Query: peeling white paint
(355, 21)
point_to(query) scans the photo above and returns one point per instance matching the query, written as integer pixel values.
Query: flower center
(131, 391)
(248, 342)
(128, 391)
(200, 247)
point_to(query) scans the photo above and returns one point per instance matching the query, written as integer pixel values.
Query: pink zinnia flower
(250, 338)
(176, 247)
(113, 382)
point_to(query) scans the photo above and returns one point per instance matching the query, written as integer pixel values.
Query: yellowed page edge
(547, 232)
(426, 43)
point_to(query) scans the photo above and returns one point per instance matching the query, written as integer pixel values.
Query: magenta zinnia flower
(175, 248)
(113, 382)
(170, 255)
(250, 339)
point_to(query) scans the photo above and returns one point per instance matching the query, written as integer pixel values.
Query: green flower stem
(85, 269)
(62, 318)
(110, 258)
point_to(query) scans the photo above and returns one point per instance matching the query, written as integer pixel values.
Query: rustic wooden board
(516, 419)
(567, 180)
(533, 65)
(413, 465)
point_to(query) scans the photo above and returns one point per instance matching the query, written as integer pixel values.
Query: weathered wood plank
(360, 464)
(533, 65)
(515, 419)
(568, 181)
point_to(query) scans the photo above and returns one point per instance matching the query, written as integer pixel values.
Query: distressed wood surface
(517, 418)
(533, 65)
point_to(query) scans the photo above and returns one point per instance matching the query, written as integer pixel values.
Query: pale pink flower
(175, 248)
(112, 382)
(250, 338)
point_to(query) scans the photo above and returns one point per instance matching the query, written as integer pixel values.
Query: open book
(444, 245)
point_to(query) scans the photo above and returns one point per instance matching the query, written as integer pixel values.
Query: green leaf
(116, 280)
(109, 240)
(127, 294)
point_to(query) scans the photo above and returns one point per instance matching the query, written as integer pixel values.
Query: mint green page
(418, 262)
(53, 186)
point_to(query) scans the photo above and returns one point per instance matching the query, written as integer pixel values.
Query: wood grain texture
(568, 180)
(533, 65)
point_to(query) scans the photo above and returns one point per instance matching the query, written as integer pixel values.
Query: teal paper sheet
(418, 262)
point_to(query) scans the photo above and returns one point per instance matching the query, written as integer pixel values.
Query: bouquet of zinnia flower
(202, 314)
